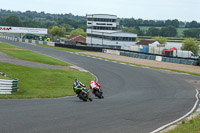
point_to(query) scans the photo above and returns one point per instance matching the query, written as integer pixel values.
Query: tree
(78, 32)
(130, 30)
(168, 31)
(58, 31)
(153, 31)
(191, 44)
(13, 20)
(192, 33)
(161, 40)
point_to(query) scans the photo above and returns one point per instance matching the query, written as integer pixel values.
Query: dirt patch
(145, 62)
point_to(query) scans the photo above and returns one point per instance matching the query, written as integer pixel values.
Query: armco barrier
(8, 86)
(183, 61)
(164, 59)
(190, 62)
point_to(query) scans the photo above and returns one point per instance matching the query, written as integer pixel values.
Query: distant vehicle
(183, 54)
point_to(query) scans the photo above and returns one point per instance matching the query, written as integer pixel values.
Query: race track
(137, 100)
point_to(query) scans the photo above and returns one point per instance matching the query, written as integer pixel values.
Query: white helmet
(92, 81)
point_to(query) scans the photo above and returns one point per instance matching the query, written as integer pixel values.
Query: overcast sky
(184, 10)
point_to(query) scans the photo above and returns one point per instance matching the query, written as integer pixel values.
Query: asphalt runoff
(137, 100)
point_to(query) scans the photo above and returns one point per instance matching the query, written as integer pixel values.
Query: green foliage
(78, 32)
(153, 31)
(140, 22)
(41, 19)
(161, 40)
(192, 33)
(191, 44)
(130, 30)
(58, 31)
(135, 30)
(168, 31)
(13, 20)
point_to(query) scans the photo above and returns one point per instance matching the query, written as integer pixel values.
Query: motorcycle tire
(83, 96)
(90, 99)
(97, 94)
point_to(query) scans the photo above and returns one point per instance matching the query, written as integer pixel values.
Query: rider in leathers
(78, 84)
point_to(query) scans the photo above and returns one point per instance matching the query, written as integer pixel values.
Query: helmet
(92, 81)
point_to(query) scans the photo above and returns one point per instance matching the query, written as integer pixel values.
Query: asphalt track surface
(137, 100)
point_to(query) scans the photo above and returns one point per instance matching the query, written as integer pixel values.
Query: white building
(103, 29)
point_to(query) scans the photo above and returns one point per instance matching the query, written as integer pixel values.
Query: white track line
(169, 124)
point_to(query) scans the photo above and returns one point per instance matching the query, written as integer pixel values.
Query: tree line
(169, 31)
(71, 22)
(41, 20)
(158, 23)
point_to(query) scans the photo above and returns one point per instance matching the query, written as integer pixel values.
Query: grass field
(29, 55)
(43, 83)
(63, 49)
(179, 30)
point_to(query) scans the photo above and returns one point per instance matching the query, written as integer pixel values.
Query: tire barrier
(8, 86)
(163, 59)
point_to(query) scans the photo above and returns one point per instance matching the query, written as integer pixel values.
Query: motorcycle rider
(78, 84)
(94, 85)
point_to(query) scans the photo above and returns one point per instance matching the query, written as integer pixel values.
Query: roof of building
(145, 42)
(75, 36)
(101, 15)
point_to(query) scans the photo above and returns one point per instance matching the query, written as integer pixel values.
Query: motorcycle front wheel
(83, 96)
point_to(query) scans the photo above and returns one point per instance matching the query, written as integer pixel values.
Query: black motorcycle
(83, 94)
(98, 92)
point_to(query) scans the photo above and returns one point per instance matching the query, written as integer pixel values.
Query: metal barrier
(8, 86)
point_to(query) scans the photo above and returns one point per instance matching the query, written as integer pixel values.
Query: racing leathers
(94, 85)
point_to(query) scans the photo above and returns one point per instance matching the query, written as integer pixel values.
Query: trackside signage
(9, 29)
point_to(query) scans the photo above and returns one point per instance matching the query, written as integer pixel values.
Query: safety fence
(152, 57)
(8, 86)
(30, 41)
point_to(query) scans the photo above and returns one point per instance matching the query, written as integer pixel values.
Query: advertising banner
(9, 29)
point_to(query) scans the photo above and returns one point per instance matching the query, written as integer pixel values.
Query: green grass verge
(63, 49)
(43, 83)
(3, 77)
(29, 55)
(191, 126)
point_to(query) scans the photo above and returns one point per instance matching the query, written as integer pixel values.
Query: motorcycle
(98, 92)
(83, 94)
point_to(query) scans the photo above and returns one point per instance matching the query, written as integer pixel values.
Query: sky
(183, 10)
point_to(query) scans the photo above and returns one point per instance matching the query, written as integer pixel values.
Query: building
(103, 29)
(148, 42)
(77, 38)
(148, 46)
